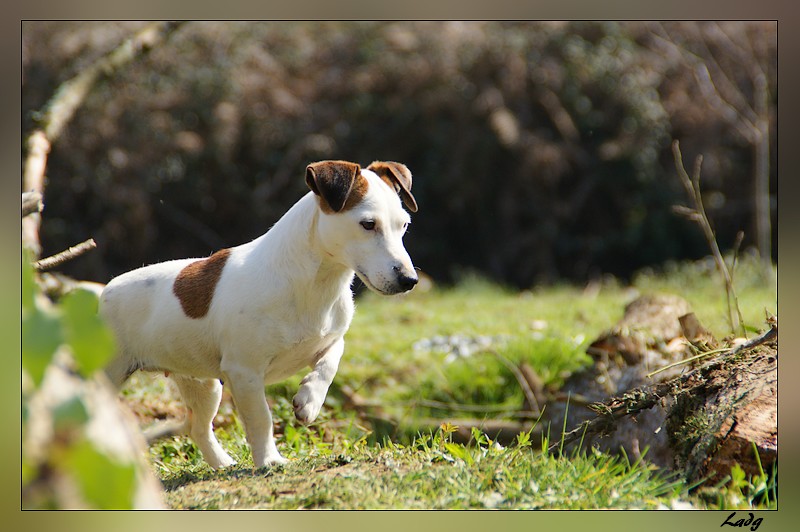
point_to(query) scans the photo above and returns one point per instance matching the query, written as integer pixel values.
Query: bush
(540, 150)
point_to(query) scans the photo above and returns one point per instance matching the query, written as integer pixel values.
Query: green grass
(433, 473)
(345, 461)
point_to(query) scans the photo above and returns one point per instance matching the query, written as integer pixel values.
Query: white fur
(283, 302)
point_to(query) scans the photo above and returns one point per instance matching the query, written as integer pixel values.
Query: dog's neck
(293, 242)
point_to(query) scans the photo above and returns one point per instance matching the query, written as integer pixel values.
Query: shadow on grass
(186, 478)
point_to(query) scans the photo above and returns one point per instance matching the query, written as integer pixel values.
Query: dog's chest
(290, 361)
(306, 337)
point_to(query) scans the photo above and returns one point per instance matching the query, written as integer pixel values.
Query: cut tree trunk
(699, 421)
(648, 337)
(725, 413)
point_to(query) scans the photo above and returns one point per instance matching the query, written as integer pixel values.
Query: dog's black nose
(406, 282)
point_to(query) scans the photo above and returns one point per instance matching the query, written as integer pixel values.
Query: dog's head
(363, 221)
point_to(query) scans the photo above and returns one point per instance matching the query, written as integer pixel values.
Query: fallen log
(730, 415)
(649, 336)
(719, 414)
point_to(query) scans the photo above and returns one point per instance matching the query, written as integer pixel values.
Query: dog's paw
(277, 460)
(271, 460)
(220, 462)
(307, 404)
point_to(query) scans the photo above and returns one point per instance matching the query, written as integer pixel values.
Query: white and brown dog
(256, 314)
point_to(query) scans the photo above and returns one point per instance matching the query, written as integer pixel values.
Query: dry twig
(521, 380)
(60, 258)
(750, 120)
(31, 203)
(698, 215)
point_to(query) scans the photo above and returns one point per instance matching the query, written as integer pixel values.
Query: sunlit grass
(341, 461)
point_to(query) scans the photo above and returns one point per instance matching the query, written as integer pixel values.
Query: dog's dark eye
(369, 225)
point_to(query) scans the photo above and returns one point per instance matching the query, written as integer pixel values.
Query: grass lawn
(423, 356)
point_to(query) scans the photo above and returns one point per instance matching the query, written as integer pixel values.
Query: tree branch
(31, 203)
(692, 186)
(60, 258)
(62, 106)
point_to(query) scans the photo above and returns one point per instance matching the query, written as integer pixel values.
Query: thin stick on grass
(689, 360)
(521, 380)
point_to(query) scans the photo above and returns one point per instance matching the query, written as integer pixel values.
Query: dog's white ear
(332, 181)
(398, 176)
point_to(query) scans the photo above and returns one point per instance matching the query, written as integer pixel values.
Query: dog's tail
(166, 429)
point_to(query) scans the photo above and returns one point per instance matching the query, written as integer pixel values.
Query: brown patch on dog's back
(194, 286)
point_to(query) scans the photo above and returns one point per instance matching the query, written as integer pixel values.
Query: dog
(258, 313)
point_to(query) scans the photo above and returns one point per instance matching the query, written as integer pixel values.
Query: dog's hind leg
(202, 398)
(118, 370)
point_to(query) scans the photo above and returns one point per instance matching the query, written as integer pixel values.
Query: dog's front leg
(314, 386)
(247, 389)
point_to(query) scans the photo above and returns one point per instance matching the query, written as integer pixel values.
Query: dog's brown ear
(398, 176)
(332, 181)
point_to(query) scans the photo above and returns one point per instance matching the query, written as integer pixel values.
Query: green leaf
(459, 451)
(106, 484)
(70, 413)
(91, 341)
(41, 329)
(738, 477)
(41, 336)
(479, 437)
(524, 439)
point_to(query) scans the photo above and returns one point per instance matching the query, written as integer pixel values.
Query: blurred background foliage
(540, 150)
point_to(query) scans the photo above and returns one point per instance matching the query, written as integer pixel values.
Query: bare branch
(31, 203)
(750, 119)
(769, 336)
(730, 93)
(33, 181)
(60, 258)
(717, 88)
(692, 186)
(71, 94)
(62, 106)
(735, 116)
